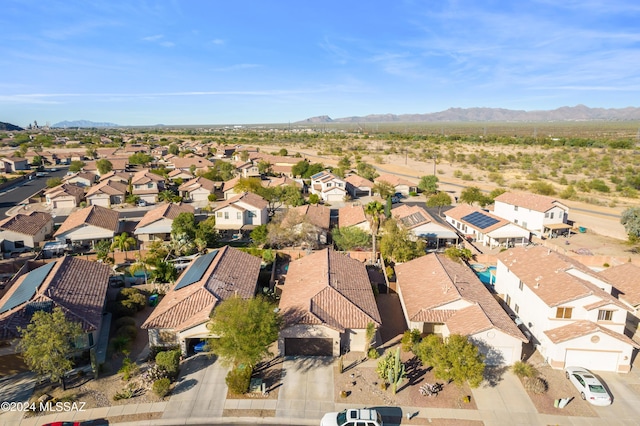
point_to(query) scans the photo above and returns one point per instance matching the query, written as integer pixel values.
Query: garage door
(308, 346)
(603, 361)
(63, 204)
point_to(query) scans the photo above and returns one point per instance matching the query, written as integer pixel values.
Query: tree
(428, 184)
(350, 238)
(300, 168)
(244, 155)
(37, 161)
(76, 166)
(265, 167)
(245, 329)
(140, 158)
(47, 343)
(184, 224)
(458, 360)
(104, 166)
(103, 248)
(123, 242)
(283, 152)
(385, 189)
(458, 254)
(53, 182)
(207, 232)
(91, 152)
(259, 235)
(630, 219)
(164, 272)
(472, 195)
(366, 170)
(398, 244)
(439, 200)
(168, 196)
(314, 198)
(174, 149)
(373, 211)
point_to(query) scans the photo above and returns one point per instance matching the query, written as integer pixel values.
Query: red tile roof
(351, 215)
(329, 288)
(319, 216)
(539, 203)
(168, 211)
(626, 279)
(98, 216)
(583, 328)
(25, 224)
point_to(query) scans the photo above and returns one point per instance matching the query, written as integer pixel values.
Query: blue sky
(222, 62)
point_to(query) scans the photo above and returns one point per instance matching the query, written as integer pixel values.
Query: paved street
(23, 190)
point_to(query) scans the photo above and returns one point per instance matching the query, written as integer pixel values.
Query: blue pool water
(486, 275)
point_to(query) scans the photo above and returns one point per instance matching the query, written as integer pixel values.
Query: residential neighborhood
(334, 275)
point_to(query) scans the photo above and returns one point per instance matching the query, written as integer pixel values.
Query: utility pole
(435, 156)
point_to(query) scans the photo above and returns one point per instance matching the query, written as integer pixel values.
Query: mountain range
(83, 124)
(575, 113)
(9, 127)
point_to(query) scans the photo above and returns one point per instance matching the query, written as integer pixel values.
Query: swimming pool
(487, 275)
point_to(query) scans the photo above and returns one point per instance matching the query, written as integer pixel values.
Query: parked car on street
(590, 388)
(353, 417)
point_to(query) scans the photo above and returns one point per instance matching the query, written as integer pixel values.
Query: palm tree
(384, 188)
(166, 195)
(123, 242)
(374, 210)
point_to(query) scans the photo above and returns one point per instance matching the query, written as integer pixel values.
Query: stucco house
(326, 302)
(76, 285)
(442, 296)
(241, 213)
(89, 225)
(25, 231)
(401, 185)
(422, 225)
(13, 164)
(567, 308)
(539, 214)
(353, 215)
(625, 279)
(188, 162)
(65, 196)
(107, 193)
(156, 223)
(486, 228)
(83, 179)
(147, 185)
(229, 188)
(175, 174)
(328, 186)
(182, 315)
(197, 189)
(358, 186)
(318, 217)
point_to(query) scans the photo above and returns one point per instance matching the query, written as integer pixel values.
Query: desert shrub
(126, 293)
(169, 361)
(161, 387)
(128, 369)
(128, 331)
(122, 321)
(390, 272)
(127, 393)
(239, 380)
(409, 339)
(155, 350)
(536, 385)
(136, 302)
(373, 353)
(120, 344)
(118, 309)
(522, 370)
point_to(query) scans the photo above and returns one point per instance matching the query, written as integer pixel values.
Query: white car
(588, 385)
(353, 417)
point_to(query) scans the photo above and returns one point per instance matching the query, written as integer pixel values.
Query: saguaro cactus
(395, 372)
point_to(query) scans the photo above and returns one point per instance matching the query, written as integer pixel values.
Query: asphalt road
(21, 191)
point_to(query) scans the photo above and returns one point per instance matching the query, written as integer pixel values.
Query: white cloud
(217, 41)
(153, 37)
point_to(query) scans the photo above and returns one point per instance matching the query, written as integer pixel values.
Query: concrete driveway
(201, 390)
(307, 388)
(625, 389)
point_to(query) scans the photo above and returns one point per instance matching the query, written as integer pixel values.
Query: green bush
(373, 353)
(128, 369)
(169, 361)
(537, 385)
(522, 370)
(118, 309)
(122, 321)
(239, 380)
(161, 387)
(128, 331)
(410, 339)
(126, 293)
(136, 302)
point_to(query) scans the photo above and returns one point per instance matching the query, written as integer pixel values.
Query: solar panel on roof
(480, 220)
(28, 287)
(197, 270)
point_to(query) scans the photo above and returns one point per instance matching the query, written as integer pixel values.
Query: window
(564, 313)
(517, 309)
(524, 224)
(239, 215)
(551, 215)
(605, 315)
(515, 221)
(149, 185)
(515, 208)
(218, 214)
(508, 300)
(546, 215)
(252, 214)
(18, 244)
(226, 215)
(520, 285)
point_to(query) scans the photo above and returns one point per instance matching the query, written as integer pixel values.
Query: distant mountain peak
(84, 124)
(479, 114)
(9, 127)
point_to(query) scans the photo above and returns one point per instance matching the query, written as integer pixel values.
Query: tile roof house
(353, 215)
(182, 315)
(317, 219)
(76, 285)
(537, 213)
(422, 225)
(65, 196)
(481, 226)
(328, 186)
(247, 169)
(229, 188)
(91, 224)
(84, 179)
(358, 186)
(567, 308)
(626, 282)
(107, 193)
(179, 174)
(185, 163)
(401, 185)
(122, 177)
(242, 212)
(439, 295)
(326, 302)
(156, 223)
(147, 185)
(13, 164)
(25, 231)
(197, 189)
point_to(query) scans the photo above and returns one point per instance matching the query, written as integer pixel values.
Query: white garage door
(603, 361)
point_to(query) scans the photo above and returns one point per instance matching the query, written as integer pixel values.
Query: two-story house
(107, 193)
(198, 189)
(65, 196)
(328, 186)
(566, 308)
(486, 228)
(147, 185)
(156, 223)
(537, 213)
(241, 213)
